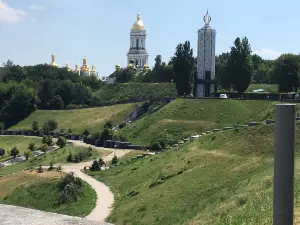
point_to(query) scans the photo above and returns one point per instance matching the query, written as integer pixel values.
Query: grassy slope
(78, 120)
(271, 88)
(56, 157)
(40, 191)
(196, 116)
(223, 178)
(117, 92)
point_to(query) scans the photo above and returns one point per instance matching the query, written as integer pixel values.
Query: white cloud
(10, 14)
(36, 7)
(267, 53)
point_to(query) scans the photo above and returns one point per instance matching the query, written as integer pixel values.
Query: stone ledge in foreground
(14, 215)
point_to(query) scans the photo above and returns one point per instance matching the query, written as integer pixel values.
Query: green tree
(70, 157)
(239, 65)
(2, 152)
(287, 68)
(27, 154)
(184, 68)
(14, 152)
(61, 142)
(31, 146)
(56, 102)
(114, 160)
(101, 162)
(86, 132)
(95, 166)
(222, 75)
(47, 140)
(49, 125)
(35, 126)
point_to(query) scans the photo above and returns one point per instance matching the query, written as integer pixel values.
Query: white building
(137, 54)
(205, 81)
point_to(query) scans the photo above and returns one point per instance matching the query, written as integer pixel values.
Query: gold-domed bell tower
(118, 68)
(137, 52)
(84, 70)
(145, 68)
(53, 63)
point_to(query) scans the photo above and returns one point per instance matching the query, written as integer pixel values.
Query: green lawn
(270, 88)
(41, 191)
(58, 157)
(223, 178)
(118, 92)
(183, 116)
(78, 120)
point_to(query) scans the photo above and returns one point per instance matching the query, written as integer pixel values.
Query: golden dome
(76, 68)
(53, 63)
(67, 66)
(146, 66)
(93, 69)
(84, 67)
(138, 25)
(118, 67)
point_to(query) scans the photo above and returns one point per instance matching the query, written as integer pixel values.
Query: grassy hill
(185, 116)
(59, 156)
(78, 120)
(223, 178)
(119, 92)
(41, 191)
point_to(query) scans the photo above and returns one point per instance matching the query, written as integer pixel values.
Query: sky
(31, 30)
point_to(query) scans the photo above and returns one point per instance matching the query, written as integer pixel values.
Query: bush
(49, 125)
(40, 169)
(70, 131)
(108, 125)
(61, 142)
(51, 167)
(122, 125)
(101, 162)
(27, 154)
(47, 140)
(62, 130)
(71, 188)
(95, 166)
(70, 157)
(35, 126)
(86, 132)
(162, 141)
(43, 147)
(114, 160)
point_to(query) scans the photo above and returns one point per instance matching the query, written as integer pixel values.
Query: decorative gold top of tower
(53, 63)
(76, 68)
(206, 19)
(118, 67)
(84, 67)
(138, 25)
(93, 69)
(67, 66)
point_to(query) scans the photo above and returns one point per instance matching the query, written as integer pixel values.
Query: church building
(137, 54)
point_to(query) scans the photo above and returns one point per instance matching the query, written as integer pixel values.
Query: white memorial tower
(205, 83)
(137, 54)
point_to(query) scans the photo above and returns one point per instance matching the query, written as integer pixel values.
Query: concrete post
(283, 196)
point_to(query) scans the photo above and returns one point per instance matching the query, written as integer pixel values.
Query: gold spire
(53, 63)
(138, 25)
(118, 67)
(84, 67)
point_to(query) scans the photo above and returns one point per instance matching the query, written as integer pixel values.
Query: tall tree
(239, 65)
(287, 68)
(184, 68)
(222, 75)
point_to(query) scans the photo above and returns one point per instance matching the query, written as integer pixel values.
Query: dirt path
(105, 197)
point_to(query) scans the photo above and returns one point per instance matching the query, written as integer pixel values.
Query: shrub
(27, 154)
(43, 147)
(161, 141)
(71, 188)
(40, 169)
(62, 130)
(14, 152)
(31, 146)
(86, 132)
(95, 166)
(70, 131)
(108, 125)
(114, 160)
(70, 157)
(122, 125)
(51, 167)
(35, 126)
(101, 162)
(61, 142)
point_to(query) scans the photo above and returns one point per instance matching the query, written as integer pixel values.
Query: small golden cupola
(67, 67)
(93, 71)
(84, 68)
(118, 67)
(138, 25)
(53, 63)
(76, 69)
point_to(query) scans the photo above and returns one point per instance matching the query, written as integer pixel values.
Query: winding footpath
(105, 197)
